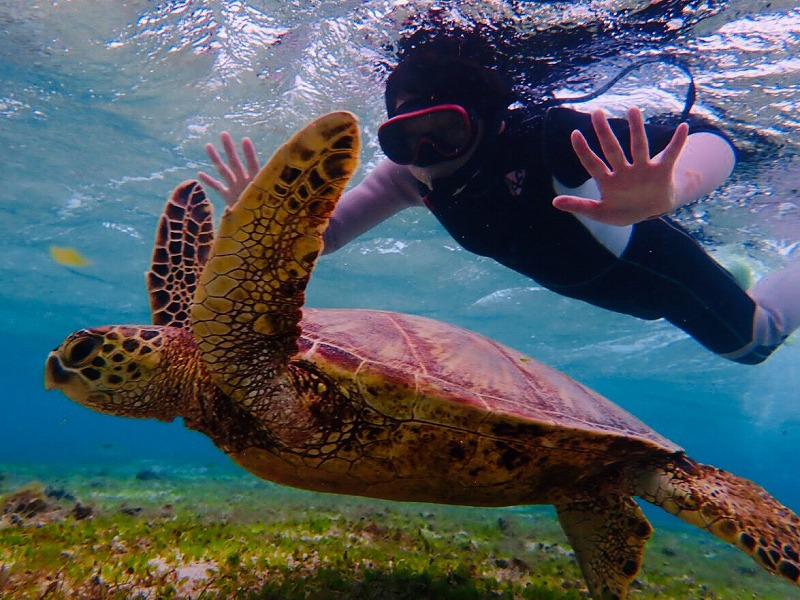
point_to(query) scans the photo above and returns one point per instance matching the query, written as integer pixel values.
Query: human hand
(234, 172)
(630, 192)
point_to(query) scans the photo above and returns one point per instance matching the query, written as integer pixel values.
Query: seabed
(154, 533)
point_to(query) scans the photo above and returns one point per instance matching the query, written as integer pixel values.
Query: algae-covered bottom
(153, 533)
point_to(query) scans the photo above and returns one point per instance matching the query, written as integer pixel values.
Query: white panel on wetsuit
(613, 237)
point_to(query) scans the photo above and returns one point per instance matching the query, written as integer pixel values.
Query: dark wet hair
(531, 61)
(450, 69)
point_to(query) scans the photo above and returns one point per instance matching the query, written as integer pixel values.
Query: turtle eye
(80, 351)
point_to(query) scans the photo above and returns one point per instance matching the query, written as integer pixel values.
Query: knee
(768, 335)
(751, 356)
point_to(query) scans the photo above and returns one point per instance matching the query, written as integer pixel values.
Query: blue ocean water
(105, 108)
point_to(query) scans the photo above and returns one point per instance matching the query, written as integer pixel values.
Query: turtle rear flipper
(608, 536)
(734, 509)
(247, 310)
(182, 245)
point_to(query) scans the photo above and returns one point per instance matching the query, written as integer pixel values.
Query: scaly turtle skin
(384, 404)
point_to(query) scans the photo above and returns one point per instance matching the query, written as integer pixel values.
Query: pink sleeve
(387, 190)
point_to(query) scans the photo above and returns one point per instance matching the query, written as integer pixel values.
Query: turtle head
(123, 370)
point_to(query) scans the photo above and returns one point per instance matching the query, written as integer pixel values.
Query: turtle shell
(427, 411)
(463, 368)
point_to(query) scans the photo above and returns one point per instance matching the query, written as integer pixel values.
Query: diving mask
(427, 135)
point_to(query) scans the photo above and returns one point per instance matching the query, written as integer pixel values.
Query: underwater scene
(106, 107)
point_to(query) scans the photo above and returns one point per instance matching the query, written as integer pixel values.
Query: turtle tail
(734, 509)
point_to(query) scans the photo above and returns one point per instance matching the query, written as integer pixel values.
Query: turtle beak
(55, 376)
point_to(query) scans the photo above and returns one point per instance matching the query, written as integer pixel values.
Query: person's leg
(777, 315)
(664, 273)
(703, 299)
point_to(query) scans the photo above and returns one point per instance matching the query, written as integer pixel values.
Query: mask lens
(427, 136)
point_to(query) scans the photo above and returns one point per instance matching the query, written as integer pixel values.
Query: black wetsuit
(504, 211)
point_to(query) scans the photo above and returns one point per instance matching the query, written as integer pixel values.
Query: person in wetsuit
(575, 201)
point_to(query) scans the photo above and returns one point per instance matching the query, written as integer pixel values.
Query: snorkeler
(575, 201)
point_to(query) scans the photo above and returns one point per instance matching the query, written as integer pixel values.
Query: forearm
(706, 162)
(384, 192)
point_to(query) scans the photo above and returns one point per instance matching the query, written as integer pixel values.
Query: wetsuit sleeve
(564, 163)
(385, 191)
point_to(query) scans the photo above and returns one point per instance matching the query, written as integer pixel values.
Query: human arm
(630, 191)
(386, 190)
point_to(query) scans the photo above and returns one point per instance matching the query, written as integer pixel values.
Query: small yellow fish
(68, 256)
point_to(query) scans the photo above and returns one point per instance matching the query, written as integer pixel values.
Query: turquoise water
(104, 108)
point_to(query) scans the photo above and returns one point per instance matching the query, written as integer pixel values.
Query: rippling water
(104, 108)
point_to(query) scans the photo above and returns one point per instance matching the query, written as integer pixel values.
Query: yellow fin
(69, 257)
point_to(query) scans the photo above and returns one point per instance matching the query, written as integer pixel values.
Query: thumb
(577, 205)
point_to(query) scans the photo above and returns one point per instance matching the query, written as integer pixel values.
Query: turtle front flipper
(608, 536)
(182, 245)
(734, 509)
(248, 306)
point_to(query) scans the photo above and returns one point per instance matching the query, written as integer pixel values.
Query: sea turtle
(381, 404)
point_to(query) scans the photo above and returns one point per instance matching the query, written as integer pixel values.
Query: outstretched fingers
(609, 143)
(630, 191)
(221, 167)
(593, 164)
(670, 154)
(235, 170)
(640, 148)
(251, 157)
(580, 206)
(235, 174)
